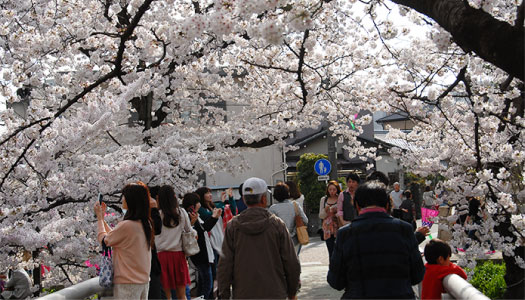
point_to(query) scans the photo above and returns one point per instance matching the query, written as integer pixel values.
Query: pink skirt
(174, 267)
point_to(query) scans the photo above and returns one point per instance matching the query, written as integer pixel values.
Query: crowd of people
(256, 253)
(370, 236)
(148, 258)
(372, 240)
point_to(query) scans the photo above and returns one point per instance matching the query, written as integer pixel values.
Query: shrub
(489, 279)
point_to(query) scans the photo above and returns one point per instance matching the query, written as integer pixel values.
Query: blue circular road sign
(322, 167)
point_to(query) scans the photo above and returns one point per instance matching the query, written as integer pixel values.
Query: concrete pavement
(314, 266)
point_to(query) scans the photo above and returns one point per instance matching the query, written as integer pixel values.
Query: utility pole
(332, 154)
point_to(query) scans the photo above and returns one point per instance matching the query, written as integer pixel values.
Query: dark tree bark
(475, 30)
(514, 275)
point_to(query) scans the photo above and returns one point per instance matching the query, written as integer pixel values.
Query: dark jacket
(409, 205)
(349, 211)
(241, 206)
(201, 258)
(258, 258)
(376, 256)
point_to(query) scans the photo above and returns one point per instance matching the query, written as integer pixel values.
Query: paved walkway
(314, 266)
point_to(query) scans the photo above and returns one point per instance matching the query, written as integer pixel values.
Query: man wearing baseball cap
(258, 257)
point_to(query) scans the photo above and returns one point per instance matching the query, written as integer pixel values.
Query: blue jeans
(205, 281)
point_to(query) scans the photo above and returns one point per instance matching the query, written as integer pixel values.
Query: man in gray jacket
(258, 257)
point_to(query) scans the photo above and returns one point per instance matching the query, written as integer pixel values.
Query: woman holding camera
(131, 241)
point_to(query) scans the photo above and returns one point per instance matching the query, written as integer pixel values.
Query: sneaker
(490, 252)
(461, 250)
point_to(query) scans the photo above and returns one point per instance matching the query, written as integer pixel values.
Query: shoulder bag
(189, 239)
(300, 228)
(105, 277)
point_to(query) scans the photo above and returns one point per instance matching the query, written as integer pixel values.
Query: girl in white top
(428, 198)
(175, 273)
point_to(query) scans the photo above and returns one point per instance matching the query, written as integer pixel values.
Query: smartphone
(99, 198)
(191, 209)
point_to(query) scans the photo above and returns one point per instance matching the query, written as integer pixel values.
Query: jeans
(205, 281)
(215, 264)
(330, 245)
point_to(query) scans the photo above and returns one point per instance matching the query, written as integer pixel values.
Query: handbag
(105, 277)
(190, 246)
(300, 228)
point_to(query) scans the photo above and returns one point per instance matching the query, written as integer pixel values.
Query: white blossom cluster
(223, 75)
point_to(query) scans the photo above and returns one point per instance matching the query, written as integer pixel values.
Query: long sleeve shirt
(340, 200)
(131, 252)
(170, 239)
(286, 211)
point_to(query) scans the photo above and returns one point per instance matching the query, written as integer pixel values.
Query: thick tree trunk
(475, 30)
(514, 276)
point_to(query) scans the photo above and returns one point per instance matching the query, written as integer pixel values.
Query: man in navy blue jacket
(376, 256)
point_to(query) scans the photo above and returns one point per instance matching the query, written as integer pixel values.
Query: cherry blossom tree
(161, 91)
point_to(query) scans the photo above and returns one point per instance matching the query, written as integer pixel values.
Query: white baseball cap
(254, 186)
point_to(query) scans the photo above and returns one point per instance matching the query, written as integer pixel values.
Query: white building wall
(387, 165)
(265, 163)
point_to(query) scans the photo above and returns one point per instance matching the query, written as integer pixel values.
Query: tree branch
(13, 166)
(114, 140)
(475, 30)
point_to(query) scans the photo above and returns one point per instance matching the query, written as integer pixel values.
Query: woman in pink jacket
(131, 241)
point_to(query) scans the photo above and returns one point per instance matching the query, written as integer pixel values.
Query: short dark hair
(240, 189)
(354, 177)
(371, 193)
(253, 199)
(407, 193)
(190, 199)
(295, 193)
(427, 188)
(436, 248)
(281, 192)
(379, 176)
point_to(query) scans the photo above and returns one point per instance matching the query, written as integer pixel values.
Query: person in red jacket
(438, 266)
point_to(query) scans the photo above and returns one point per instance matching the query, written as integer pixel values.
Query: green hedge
(310, 187)
(489, 279)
